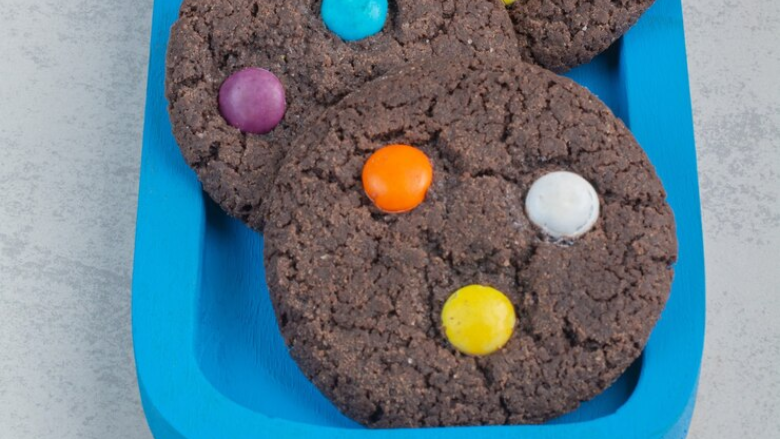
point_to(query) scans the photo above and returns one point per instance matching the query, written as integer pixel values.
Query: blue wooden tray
(212, 364)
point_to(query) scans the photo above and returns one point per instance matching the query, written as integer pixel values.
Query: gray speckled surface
(72, 80)
(72, 83)
(734, 63)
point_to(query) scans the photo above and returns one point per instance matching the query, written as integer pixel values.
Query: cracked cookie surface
(214, 38)
(562, 34)
(358, 293)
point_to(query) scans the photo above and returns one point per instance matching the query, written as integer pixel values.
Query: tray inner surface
(238, 345)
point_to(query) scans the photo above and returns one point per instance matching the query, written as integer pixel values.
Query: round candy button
(354, 20)
(397, 177)
(252, 100)
(563, 204)
(478, 320)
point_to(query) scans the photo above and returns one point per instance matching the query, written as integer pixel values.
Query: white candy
(563, 204)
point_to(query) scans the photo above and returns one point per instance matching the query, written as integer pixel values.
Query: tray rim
(168, 260)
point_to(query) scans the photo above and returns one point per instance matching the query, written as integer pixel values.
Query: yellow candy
(478, 320)
(508, 2)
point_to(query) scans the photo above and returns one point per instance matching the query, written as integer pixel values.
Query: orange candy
(397, 177)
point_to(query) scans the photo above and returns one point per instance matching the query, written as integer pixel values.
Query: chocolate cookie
(360, 293)
(214, 39)
(562, 34)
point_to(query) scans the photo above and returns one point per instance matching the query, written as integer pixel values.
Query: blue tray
(212, 364)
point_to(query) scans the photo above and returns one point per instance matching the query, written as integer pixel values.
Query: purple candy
(252, 100)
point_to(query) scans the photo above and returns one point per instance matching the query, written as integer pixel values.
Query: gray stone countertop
(72, 87)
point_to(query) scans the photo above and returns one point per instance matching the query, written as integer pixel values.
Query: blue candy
(354, 20)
